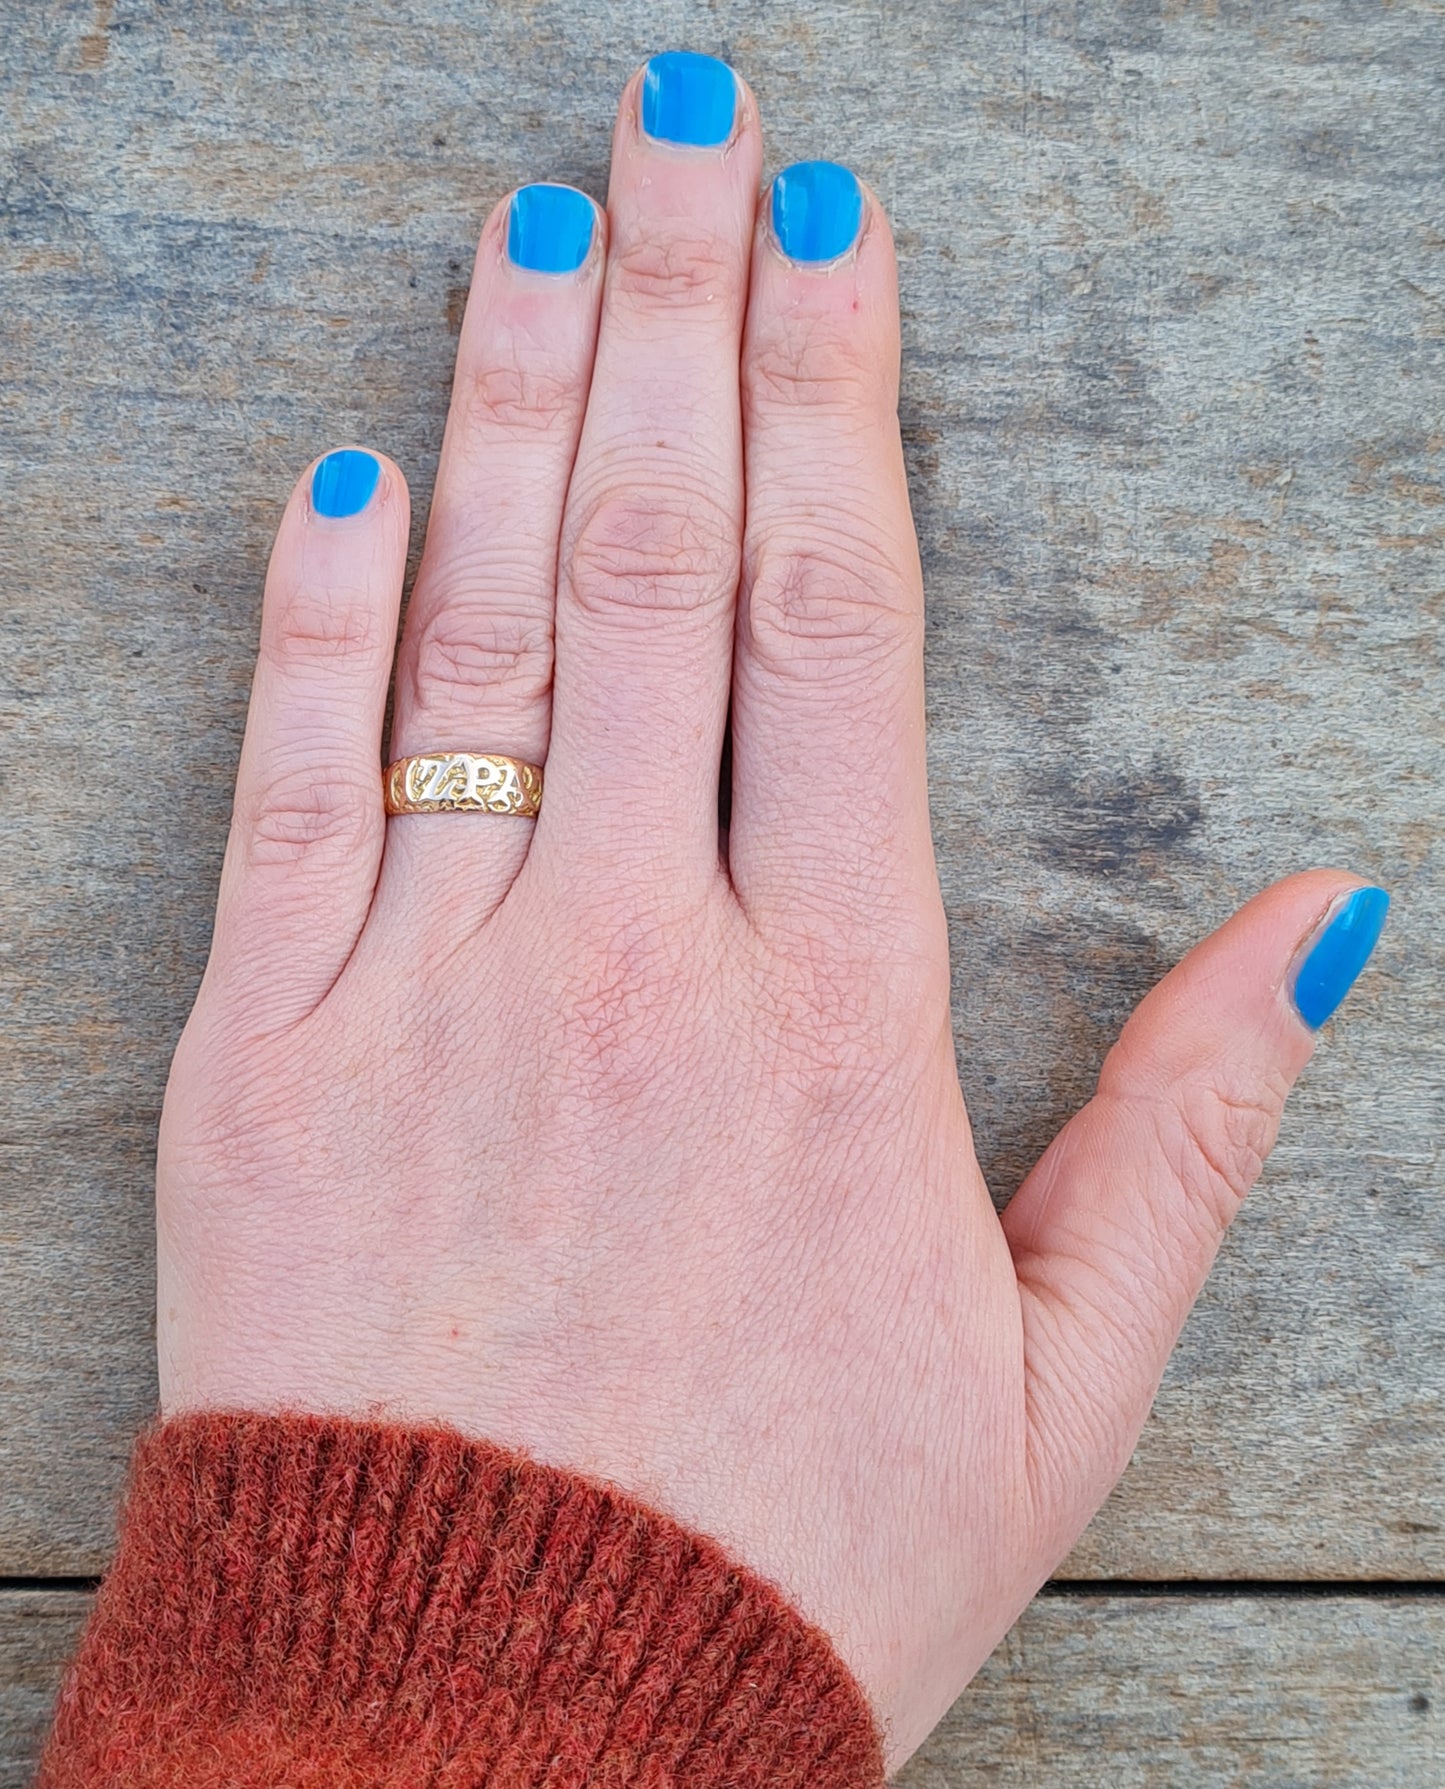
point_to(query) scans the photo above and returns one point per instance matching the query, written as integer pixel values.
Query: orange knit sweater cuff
(301, 1602)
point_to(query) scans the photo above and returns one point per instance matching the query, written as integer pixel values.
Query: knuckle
(812, 362)
(1215, 1141)
(541, 395)
(475, 646)
(812, 604)
(650, 549)
(301, 814)
(685, 269)
(325, 623)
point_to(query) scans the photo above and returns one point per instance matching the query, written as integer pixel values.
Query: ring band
(462, 783)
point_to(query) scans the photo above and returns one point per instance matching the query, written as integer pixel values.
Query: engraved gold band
(462, 783)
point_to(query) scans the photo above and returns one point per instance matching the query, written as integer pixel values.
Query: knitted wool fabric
(301, 1602)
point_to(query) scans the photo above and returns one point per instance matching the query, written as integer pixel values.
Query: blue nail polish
(549, 228)
(688, 98)
(817, 211)
(1339, 954)
(343, 482)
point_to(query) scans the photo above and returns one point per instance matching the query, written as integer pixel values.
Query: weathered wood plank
(38, 1633)
(1173, 1692)
(1087, 1692)
(1172, 280)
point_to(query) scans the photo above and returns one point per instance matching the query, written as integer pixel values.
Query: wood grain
(1087, 1692)
(1170, 1692)
(38, 1633)
(1173, 282)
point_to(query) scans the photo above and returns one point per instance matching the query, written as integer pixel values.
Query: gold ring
(462, 783)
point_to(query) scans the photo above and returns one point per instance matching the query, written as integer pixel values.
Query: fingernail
(549, 228)
(688, 98)
(817, 211)
(343, 482)
(1339, 954)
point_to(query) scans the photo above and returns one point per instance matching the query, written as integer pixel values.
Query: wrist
(295, 1596)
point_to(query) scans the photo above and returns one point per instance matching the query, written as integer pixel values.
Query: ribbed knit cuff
(301, 1602)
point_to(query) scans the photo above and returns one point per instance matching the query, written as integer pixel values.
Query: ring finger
(474, 671)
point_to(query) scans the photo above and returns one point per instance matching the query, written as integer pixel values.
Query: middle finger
(650, 544)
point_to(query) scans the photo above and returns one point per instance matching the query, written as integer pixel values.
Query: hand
(628, 1140)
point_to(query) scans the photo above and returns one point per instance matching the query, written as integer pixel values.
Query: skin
(635, 1145)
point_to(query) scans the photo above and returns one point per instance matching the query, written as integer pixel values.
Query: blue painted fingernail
(688, 98)
(343, 482)
(817, 211)
(549, 228)
(1339, 954)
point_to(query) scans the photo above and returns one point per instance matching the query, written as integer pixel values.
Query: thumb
(1113, 1232)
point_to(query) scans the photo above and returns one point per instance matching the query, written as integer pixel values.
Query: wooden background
(1174, 298)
